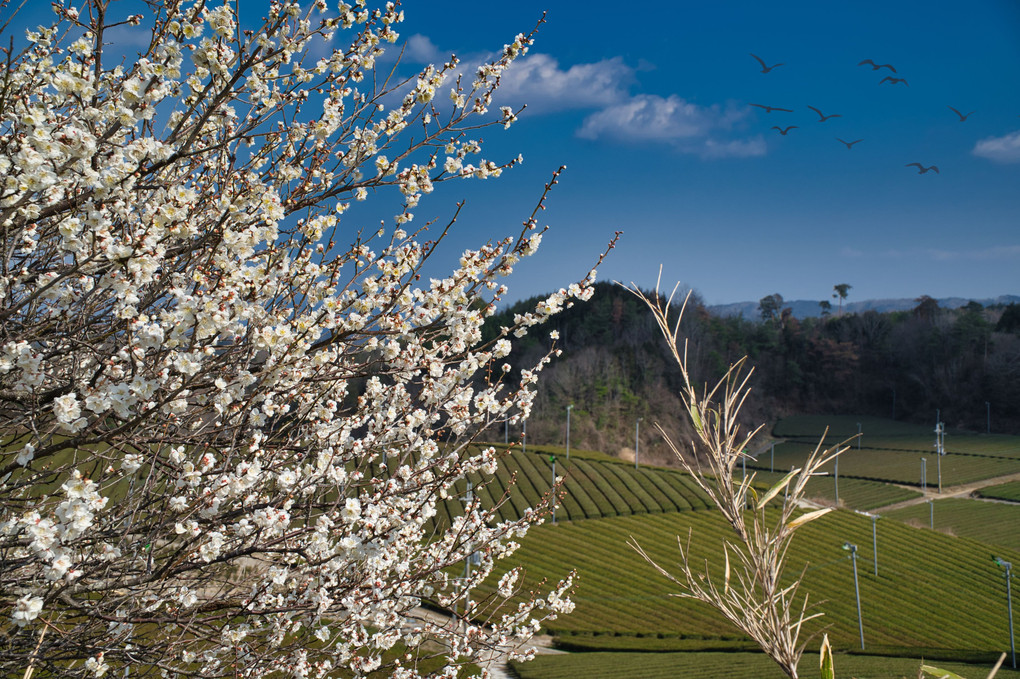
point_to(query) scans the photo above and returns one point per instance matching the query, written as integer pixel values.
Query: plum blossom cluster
(229, 413)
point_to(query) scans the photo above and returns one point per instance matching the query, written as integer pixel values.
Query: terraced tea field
(591, 489)
(892, 451)
(948, 603)
(1004, 491)
(727, 666)
(896, 466)
(854, 493)
(935, 595)
(991, 522)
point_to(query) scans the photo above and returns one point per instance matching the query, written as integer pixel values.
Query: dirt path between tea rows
(962, 490)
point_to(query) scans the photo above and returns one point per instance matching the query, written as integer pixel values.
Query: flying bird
(849, 144)
(764, 68)
(921, 169)
(770, 109)
(782, 131)
(875, 67)
(824, 117)
(893, 80)
(962, 116)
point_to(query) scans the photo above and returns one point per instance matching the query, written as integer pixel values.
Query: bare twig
(754, 594)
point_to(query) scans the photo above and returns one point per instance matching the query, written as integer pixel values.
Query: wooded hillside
(614, 368)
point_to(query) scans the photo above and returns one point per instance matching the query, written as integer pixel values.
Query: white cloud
(1005, 149)
(538, 81)
(421, 50)
(688, 127)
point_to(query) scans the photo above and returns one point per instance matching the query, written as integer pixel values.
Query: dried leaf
(776, 489)
(939, 674)
(809, 516)
(726, 574)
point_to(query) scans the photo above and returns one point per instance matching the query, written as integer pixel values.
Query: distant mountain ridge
(806, 308)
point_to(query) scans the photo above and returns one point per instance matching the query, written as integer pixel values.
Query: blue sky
(649, 107)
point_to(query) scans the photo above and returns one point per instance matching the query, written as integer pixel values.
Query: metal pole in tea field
(468, 500)
(569, 408)
(940, 449)
(931, 514)
(552, 458)
(857, 589)
(874, 540)
(1009, 602)
(637, 442)
(874, 535)
(836, 479)
(924, 475)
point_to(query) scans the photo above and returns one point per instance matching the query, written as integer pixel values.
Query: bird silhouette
(823, 117)
(893, 80)
(782, 131)
(770, 109)
(849, 144)
(875, 67)
(764, 68)
(921, 169)
(962, 116)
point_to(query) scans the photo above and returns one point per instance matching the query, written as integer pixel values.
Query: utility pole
(835, 477)
(637, 441)
(857, 589)
(940, 448)
(569, 408)
(552, 458)
(874, 535)
(472, 558)
(1009, 602)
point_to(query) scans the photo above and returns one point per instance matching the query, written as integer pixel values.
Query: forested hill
(905, 364)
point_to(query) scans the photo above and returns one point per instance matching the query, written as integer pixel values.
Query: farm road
(962, 490)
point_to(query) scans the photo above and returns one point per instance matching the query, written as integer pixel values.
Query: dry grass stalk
(753, 593)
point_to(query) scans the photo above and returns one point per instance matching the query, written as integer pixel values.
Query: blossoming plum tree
(227, 416)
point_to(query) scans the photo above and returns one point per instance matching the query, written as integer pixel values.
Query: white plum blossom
(232, 408)
(66, 408)
(27, 609)
(25, 455)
